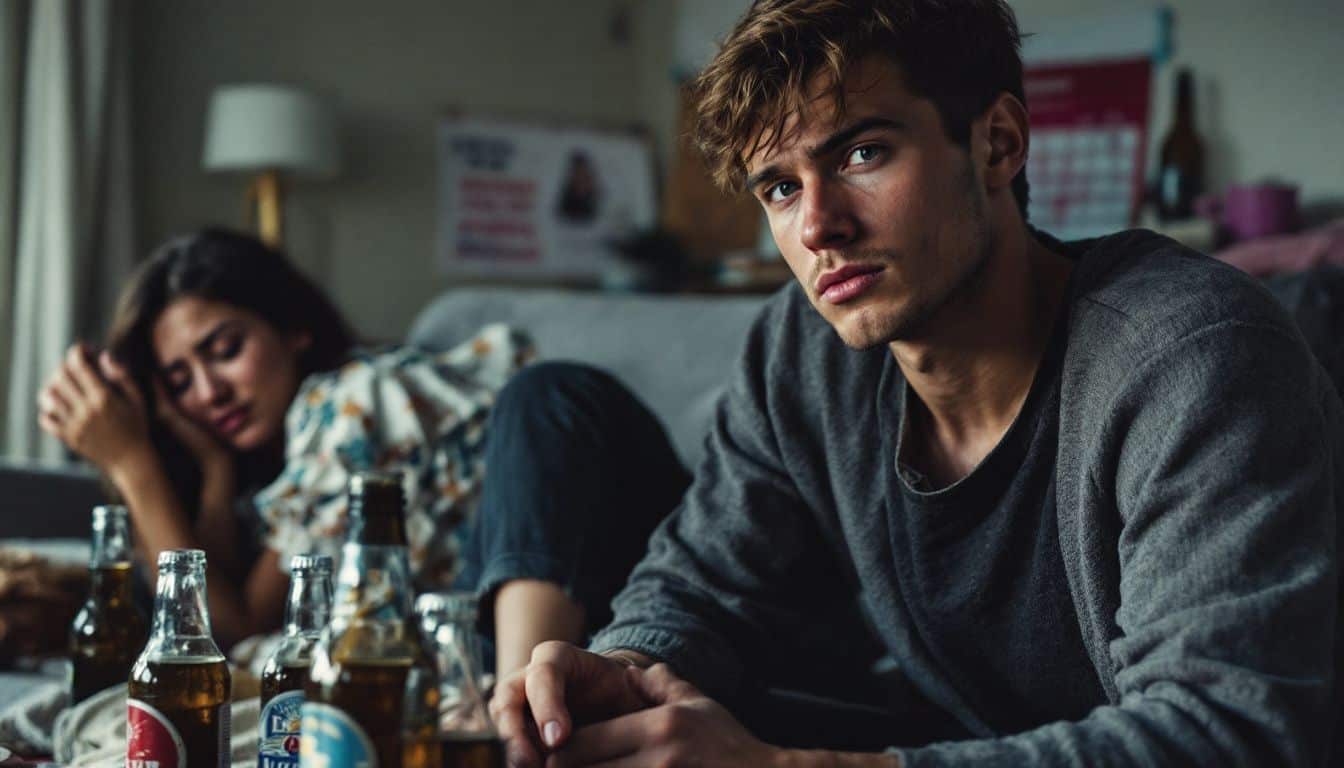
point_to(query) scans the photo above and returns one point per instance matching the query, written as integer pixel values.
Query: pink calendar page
(1089, 124)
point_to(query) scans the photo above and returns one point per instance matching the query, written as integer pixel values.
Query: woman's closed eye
(226, 346)
(176, 386)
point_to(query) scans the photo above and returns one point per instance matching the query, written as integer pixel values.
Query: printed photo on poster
(531, 201)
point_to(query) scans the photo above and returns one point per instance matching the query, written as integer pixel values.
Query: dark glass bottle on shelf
(1180, 176)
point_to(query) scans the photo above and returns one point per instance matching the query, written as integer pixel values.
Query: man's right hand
(537, 708)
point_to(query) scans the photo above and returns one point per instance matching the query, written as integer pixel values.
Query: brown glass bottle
(1181, 167)
(109, 630)
(192, 695)
(372, 692)
(466, 734)
(472, 751)
(178, 703)
(285, 673)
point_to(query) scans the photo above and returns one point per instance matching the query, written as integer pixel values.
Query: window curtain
(65, 199)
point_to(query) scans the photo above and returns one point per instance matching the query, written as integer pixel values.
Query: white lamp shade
(262, 127)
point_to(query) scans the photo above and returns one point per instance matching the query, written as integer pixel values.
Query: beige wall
(1267, 85)
(1268, 94)
(389, 68)
(1268, 73)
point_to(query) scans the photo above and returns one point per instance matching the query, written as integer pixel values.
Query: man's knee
(556, 389)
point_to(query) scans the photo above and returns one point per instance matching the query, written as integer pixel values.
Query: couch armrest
(44, 502)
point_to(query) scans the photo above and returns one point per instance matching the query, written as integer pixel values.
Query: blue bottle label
(331, 739)
(278, 731)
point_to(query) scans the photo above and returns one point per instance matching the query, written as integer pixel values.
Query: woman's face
(227, 369)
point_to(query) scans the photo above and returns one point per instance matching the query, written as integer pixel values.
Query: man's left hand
(683, 727)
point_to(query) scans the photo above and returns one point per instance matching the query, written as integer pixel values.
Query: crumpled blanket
(38, 600)
(93, 733)
(26, 722)
(1289, 253)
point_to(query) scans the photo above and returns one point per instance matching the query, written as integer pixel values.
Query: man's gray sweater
(1196, 485)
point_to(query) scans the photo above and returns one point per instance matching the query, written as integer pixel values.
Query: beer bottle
(466, 733)
(1181, 164)
(286, 671)
(372, 681)
(109, 629)
(178, 707)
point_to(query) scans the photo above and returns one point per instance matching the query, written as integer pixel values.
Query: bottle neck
(375, 526)
(180, 611)
(1185, 104)
(458, 660)
(111, 584)
(111, 541)
(374, 585)
(309, 607)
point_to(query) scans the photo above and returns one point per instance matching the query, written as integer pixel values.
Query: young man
(1084, 494)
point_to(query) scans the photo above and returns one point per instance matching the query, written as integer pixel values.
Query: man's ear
(1007, 132)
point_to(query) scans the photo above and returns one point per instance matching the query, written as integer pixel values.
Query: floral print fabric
(400, 409)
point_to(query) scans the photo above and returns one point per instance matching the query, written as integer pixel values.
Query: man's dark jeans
(578, 474)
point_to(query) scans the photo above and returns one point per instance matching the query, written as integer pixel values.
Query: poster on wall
(525, 201)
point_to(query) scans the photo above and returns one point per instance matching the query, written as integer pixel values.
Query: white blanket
(93, 733)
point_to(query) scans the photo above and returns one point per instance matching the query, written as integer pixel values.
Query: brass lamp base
(264, 207)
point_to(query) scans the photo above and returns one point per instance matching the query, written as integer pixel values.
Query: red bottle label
(152, 741)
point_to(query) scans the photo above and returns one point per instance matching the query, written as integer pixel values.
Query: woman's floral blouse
(400, 409)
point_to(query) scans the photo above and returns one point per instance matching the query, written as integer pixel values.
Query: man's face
(880, 216)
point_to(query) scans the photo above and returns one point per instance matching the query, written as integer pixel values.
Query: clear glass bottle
(372, 690)
(467, 735)
(307, 611)
(178, 707)
(109, 630)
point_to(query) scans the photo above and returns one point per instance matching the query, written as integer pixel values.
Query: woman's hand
(213, 456)
(100, 416)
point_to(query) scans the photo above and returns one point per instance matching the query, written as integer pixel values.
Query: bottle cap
(103, 511)
(310, 562)
(181, 558)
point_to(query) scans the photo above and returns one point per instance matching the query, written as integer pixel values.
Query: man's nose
(828, 221)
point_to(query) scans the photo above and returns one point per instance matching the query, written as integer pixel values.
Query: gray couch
(674, 351)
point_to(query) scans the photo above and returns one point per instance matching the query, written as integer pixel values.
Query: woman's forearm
(161, 523)
(215, 521)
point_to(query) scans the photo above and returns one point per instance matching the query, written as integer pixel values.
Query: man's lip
(232, 420)
(844, 273)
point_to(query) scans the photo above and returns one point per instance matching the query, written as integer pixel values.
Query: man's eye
(864, 154)
(780, 191)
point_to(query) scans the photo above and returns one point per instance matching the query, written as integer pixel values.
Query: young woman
(231, 404)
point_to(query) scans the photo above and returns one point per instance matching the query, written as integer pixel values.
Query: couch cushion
(675, 352)
(45, 502)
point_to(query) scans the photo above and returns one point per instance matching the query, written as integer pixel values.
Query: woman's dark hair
(231, 268)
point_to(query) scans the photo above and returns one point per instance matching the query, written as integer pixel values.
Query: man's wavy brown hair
(959, 54)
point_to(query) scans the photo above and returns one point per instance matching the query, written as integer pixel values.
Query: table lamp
(269, 130)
